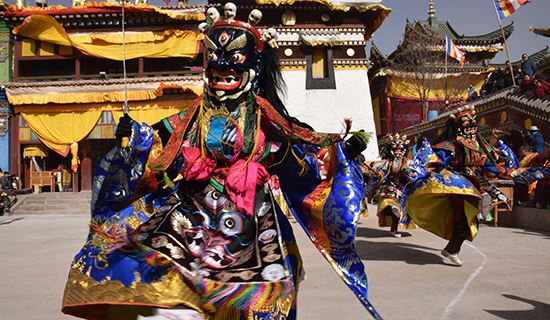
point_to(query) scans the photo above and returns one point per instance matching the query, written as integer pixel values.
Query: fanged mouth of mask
(398, 153)
(228, 84)
(224, 80)
(210, 248)
(470, 130)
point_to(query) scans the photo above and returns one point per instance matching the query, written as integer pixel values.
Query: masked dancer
(447, 201)
(192, 214)
(391, 174)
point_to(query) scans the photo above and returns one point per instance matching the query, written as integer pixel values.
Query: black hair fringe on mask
(449, 132)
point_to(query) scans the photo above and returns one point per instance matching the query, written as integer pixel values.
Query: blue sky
(469, 17)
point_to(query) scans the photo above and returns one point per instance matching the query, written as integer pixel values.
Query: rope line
(125, 105)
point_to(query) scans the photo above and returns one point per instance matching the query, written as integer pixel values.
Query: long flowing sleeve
(324, 190)
(120, 171)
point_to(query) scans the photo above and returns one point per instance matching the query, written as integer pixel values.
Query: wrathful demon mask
(234, 52)
(397, 146)
(465, 122)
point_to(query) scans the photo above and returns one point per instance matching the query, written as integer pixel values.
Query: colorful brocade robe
(391, 176)
(196, 222)
(427, 199)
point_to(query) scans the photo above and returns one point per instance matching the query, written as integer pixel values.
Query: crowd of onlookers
(8, 182)
(524, 76)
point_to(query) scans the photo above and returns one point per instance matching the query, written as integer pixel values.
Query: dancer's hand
(354, 146)
(124, 129)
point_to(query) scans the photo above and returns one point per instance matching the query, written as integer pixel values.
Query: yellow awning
(97, 93)
(35, 151)
(149, 44)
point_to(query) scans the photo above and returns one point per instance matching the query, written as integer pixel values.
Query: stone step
(61, 196)
(38, 202)
(62, 212)
(53, 203)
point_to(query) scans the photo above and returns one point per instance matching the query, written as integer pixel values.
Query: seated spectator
(535, 140)
(472, 93)
(542, 88)
(5, 181)
(507, 77)
(527, 84)
(496, 79)
(486, 88)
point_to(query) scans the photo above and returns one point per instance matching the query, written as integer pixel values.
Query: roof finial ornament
(431, 9)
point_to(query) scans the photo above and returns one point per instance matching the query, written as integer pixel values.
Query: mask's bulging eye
(211, 56)
(237, 57)
(231, 223)
(224, 38)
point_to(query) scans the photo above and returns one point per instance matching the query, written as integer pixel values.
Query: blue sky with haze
(469, 17)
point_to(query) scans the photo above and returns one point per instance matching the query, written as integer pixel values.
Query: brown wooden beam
(15, 146)
(140, 67)
(77, 68)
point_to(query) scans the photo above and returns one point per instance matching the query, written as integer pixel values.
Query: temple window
(46, 68)
(319, 63)
(152, 66)
(320, 69)
(91, 68)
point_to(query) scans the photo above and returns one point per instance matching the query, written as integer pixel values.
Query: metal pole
(505, 45)
(125, 105)
(125, 140)
(446, 82)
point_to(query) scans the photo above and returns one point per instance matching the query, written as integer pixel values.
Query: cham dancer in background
(390, 176)
(447, 201)
(192, 214)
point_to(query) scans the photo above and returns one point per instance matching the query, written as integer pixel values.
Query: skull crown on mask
(234, 52)
(398, 145)
(466, 120)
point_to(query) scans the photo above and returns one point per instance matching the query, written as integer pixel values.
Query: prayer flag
(506, 7)
(453, 51)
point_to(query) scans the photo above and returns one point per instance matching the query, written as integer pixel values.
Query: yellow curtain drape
(62, 95)
(149, 116)
(180, 104)
(162, 44)
(59, 130)
(457, 86)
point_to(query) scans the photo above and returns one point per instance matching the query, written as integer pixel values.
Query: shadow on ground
(10, 220)
(540, 310)
(544, 234)
(393, 251)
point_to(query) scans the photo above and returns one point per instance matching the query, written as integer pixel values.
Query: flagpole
(505, 45)
(446, 83)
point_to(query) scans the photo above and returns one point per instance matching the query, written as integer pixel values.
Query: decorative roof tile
(444, 28)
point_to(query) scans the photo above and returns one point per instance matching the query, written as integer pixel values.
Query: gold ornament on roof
(288, 18)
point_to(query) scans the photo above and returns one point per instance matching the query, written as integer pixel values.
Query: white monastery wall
(325, 110)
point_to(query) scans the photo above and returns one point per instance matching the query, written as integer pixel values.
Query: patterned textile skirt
(191, 252)
(386, 206)
(435, 203)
